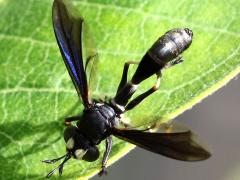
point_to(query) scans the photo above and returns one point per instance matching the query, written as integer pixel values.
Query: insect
(100, 120)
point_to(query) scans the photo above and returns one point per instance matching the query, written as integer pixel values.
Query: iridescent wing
(69, 29)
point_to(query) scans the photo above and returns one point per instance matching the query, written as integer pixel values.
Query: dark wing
(180, 145)
(68, 31)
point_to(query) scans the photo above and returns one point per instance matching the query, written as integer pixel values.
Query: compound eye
(79, 153)
(70, 143)
(92, 154)
(70, 132)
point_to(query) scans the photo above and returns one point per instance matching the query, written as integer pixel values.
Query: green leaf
(36, 92)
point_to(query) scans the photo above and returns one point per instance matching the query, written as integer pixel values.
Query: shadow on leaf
(21, 139)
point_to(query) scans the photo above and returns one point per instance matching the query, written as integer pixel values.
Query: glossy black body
(166, 49)
(100, 120)
(96, 122)
(171, 45)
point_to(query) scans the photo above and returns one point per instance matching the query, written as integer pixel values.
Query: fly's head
(77, 146)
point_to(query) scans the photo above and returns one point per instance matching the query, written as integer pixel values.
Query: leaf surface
(36, 92)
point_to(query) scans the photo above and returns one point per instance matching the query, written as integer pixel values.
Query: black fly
(99, 120)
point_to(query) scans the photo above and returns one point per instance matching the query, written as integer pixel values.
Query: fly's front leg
(106, 156)
(141, 97)
(123, 81)
(68, 121)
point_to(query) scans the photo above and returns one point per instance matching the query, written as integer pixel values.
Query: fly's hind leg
(174, 62)
(144, 95)
(123, 81)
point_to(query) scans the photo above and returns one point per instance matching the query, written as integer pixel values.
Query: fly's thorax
(171, 45)
(96, 121)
